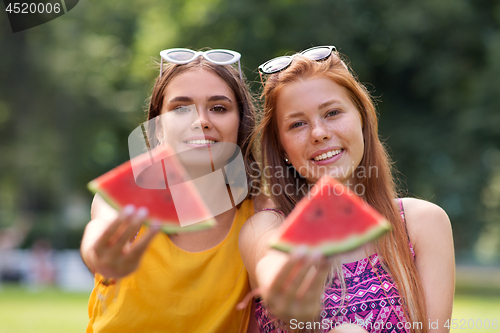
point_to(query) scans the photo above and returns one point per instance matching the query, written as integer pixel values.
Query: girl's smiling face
(320, 129)
(200, 111)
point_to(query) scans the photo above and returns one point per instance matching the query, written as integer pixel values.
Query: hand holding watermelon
(108, 249)
(330, 221)
(295, 292)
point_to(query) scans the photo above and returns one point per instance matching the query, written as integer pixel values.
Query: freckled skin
(316, 114)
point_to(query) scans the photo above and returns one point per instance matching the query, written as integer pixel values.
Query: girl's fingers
(297, 288)
(103, 241)
(141, 244)
(302, 278)
(315, 285)
(284, 273)
(132, 228)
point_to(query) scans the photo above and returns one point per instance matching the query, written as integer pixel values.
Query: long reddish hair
(380, 191)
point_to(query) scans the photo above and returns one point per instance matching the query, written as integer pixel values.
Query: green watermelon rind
(167, 226)
(331, 248)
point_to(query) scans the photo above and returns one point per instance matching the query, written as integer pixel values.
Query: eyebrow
(210, 99)
(219, 98)
(321, 106)
(328, 103)
(181, 99)
(294, 115)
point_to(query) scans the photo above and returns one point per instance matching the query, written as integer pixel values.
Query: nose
(320, 132)
(201, 121)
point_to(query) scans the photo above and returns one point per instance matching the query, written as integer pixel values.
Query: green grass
(43, 311)
(56, 311)
(473, 310)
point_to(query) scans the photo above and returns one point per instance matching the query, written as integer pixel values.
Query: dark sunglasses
(280, 63)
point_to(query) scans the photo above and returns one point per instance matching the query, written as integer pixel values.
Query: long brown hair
(380, 191)
(244, 102)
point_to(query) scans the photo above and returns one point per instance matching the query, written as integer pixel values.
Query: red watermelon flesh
(333, 219)
(156, 180)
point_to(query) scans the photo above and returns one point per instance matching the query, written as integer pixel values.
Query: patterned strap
(402, 213)
(276, 210)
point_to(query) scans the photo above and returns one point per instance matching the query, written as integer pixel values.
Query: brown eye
(219, 108)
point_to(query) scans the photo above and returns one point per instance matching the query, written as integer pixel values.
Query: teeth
(329, 154)
(200, 142)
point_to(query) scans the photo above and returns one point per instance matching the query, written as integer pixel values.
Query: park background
(72, 90)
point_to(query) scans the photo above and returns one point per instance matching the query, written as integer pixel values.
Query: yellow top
(177, 291)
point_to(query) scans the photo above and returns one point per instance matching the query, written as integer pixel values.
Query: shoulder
(264, 217)
(421, 209)
(262, 201)
(425, 221)
(262, 222)
(260, 227)
(101, 209)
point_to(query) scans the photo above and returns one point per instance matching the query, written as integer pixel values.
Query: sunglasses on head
(280, 63)
(184, 56)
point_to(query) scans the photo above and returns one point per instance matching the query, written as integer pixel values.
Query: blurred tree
(433, 65)
(74, 88)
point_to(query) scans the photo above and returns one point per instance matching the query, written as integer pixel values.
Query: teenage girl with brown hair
(147, 281)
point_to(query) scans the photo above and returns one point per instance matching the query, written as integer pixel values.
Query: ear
(159, 136)
(285, 157)
(157, 132)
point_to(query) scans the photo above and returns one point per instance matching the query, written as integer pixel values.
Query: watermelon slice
(156, 180)
(332, 218)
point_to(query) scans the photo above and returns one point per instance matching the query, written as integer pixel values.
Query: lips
(326, 154)
(200, 140)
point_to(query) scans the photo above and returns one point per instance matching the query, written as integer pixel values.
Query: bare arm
(254, 239)
(106, 244)
(290, 285)
(430, 233)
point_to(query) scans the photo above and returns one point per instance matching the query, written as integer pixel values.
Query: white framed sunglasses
(278, 64)
(183, 56)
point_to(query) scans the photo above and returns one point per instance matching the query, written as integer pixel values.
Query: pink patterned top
(372, 300)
